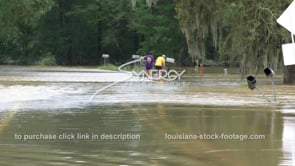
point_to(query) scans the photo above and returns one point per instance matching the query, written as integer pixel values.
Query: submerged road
(43, 101)
(57, 88)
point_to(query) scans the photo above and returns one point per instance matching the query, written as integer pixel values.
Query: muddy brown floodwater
(47, 117)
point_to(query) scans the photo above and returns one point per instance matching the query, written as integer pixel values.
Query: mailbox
(170, 60)
(251, 82)
(105, 56)
(135, 56)
(268, 72)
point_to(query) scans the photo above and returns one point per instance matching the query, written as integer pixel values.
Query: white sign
(289, 53)
(135, 56)
(105, 56)
(287, 19)
(170, 60)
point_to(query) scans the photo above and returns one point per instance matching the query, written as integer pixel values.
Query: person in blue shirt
(149, 63)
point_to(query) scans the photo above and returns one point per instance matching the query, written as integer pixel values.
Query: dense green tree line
(78, 32)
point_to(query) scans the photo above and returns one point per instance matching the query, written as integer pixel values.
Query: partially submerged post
(105, 57)
(201, 69)
(169, 60)
(135, 57)
(251, 80)
(269, 73)
(225, 71)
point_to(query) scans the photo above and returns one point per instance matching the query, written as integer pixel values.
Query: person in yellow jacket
(160, 64)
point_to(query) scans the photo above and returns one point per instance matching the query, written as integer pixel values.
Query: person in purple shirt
(149, 63)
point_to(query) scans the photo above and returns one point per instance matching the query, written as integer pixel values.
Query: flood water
(51, 117)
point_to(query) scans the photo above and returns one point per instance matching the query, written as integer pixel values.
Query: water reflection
(153, 123)
(288, 138)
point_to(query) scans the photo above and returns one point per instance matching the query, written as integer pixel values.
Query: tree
(241, 30)
(252, 34)
(116, 34)
(78, 32)
(67, 33)
(158, 29)
(20, 22)
(81, 31)
(197, 21)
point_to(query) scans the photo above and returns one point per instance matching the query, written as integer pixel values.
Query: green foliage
(108, 67)
(19, 21)
(251, 33)
(158, 28)
(48, 60)
(78, 32)
(246, 30)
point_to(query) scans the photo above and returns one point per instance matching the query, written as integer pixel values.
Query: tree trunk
(289, 74)
(61, 13)
(98, 42)
(182, 52)
(69, 55)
